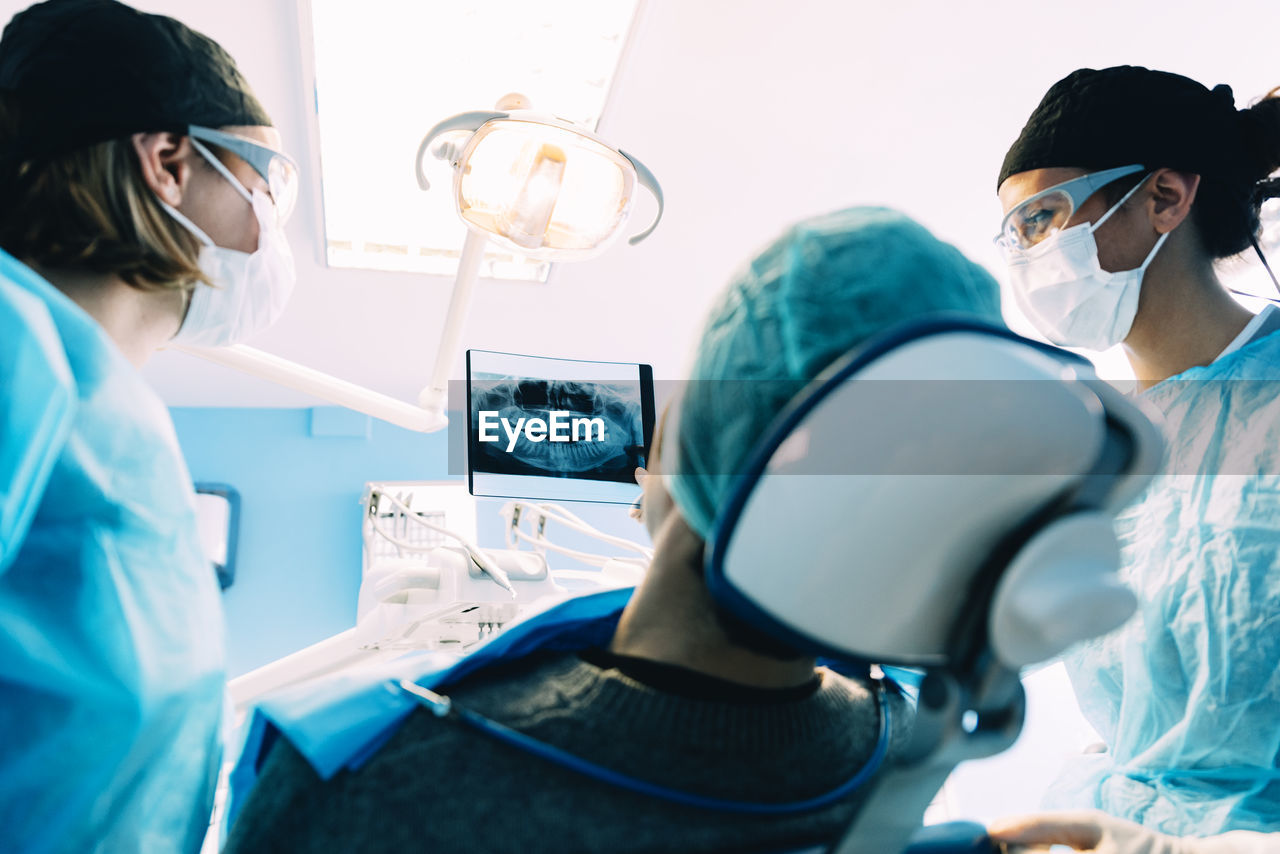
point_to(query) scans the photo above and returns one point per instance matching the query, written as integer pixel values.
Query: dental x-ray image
(556, 428)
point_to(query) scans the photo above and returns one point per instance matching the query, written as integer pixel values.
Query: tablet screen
(556, 429)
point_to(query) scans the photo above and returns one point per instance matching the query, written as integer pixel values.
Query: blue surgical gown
(1187, 693)
(111, 647)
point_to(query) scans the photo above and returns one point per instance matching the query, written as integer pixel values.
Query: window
(387, 70)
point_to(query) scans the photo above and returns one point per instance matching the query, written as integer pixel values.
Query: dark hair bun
(1260, 125)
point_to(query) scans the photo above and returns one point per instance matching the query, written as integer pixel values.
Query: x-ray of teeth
(556, 428)
(552, 429)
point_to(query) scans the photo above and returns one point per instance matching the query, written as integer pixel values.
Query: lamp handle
(650, 183)
(463, 121)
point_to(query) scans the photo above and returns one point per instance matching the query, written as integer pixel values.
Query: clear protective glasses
(276, 168)
(1046, 213)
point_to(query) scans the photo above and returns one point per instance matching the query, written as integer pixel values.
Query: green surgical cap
(823, 288)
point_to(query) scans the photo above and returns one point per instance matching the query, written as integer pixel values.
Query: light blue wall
(298, 563)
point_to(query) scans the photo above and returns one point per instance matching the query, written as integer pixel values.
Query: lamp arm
(322, 385)
(428, 416)
(435, 396)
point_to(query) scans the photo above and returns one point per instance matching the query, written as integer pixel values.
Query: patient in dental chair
(683, 696)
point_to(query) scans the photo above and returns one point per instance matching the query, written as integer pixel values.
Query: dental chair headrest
(947, 489)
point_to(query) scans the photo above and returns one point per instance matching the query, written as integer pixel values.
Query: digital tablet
(556, 429)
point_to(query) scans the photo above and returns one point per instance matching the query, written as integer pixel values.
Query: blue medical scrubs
(111, 635)
(1187, 693)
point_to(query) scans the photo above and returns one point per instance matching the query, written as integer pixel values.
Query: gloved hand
(1100, 833)
(637, 509)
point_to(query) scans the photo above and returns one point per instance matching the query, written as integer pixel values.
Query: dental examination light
(533, 183)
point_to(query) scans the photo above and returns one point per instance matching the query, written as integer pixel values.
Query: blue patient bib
(340, 720)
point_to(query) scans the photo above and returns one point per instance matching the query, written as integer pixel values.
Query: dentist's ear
(1172, 193)
(165, 161)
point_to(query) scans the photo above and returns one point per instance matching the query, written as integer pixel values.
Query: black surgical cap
(1096, 119)
(86, 71)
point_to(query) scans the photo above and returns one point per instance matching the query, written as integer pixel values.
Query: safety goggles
(1047, 212)
(276, 168)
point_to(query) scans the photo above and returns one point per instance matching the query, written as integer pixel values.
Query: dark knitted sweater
(440, 786)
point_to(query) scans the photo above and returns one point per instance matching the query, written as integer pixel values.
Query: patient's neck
(671, 619)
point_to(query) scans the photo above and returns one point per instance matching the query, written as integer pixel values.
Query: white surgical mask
(250, 291)
(1061, 287)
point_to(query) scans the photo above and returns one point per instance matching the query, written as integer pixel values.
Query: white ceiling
(753, 113)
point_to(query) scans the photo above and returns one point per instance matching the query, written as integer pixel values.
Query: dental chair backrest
(941, 498)
(950, 485)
